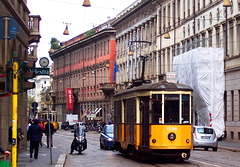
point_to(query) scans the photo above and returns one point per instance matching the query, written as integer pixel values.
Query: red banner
(69, 99)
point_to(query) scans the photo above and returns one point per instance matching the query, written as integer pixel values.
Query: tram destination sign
(40, 71)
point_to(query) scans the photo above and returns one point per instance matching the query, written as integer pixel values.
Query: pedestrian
(29, 124)
(40, 123)
(34, 135)
(49, 131)
(19, 137)
(4, 152)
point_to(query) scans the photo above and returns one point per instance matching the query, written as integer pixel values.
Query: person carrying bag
(4, 163)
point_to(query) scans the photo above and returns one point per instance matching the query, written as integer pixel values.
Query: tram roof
(160, 86)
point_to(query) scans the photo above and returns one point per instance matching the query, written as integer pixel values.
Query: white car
(205, 137)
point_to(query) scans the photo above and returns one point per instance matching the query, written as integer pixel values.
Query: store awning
(99, 109)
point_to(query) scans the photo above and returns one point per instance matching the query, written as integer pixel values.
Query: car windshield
(205, 130)
(109, 129)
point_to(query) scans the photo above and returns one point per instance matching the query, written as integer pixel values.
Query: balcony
(33, 26)
(107, 87)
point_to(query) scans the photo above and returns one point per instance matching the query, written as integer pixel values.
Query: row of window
(84, 54)
(232, 113)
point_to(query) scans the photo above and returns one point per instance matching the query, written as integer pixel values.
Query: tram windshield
(171, 109)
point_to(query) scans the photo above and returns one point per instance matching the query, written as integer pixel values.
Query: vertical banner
(66, 99)
(70, 99)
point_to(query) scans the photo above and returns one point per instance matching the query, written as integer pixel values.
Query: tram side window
(117, 112)
(185, 109)
(130, 110)
(157, 109)
(171, 109)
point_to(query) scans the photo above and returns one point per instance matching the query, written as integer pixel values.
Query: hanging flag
(115, 70)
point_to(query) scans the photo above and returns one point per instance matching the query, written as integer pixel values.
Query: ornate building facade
(85, 65)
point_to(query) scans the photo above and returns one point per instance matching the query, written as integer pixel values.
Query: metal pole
(226, 44)
(49, 135)
(6, 39)
(14, 113)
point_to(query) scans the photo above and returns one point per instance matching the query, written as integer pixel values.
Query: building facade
(23, 45)
(190, 24)
(85, 65)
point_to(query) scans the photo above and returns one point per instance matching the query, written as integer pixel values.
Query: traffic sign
(13, 27)
(40, 71)
(47, 99)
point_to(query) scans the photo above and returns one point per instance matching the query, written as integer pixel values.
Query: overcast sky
(56, 13)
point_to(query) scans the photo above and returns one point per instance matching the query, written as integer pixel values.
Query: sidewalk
(229, 145)
(44, 158)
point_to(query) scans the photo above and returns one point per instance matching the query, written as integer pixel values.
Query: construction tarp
(203, 70)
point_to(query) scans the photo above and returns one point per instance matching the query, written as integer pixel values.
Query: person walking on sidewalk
(49, 131)
(34, 134)
(40, 124)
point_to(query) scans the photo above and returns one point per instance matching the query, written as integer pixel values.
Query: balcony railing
(107, 86)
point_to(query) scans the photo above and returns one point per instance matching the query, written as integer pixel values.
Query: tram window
(130, 110)
(171, 109)
(157, 109)
(118, 111)
(185, 109)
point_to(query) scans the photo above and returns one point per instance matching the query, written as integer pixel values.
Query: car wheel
(215, 149)
(104, 146)
(206, 148)
(101, 146)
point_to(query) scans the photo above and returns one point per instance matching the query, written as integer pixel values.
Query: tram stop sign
(47, 99)
(13, 27)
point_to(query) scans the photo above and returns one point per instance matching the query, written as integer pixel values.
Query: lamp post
(226, 4)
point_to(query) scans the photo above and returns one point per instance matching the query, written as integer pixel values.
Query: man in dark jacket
(47, 132)
(34, 134)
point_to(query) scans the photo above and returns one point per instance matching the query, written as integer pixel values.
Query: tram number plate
(171, 128)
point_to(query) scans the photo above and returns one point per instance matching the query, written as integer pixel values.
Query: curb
(230, 149)
(61, 160)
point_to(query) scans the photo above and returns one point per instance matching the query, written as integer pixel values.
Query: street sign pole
(6, 39)
(47, 99)
(14, 114)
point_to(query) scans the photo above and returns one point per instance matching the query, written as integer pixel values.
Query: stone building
(23, 45)
(189, 24)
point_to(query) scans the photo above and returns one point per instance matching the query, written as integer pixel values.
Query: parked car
(65, 125)
(106, 137)
(205, 137)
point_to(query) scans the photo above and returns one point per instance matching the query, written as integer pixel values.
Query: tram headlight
(187, 141)
(171, 136)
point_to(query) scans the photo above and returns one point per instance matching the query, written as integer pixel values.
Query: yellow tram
(154, 119)
(53, 118)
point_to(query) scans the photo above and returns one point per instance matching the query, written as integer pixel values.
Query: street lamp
(226, 4)
(86, 3)
(66, 32)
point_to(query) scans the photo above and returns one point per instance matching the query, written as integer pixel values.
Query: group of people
(35, 133)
